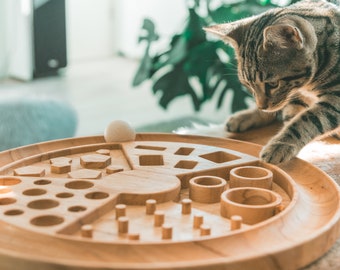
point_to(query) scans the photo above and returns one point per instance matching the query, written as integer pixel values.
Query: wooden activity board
(162, 201)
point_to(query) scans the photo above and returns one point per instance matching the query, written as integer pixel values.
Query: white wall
(89, 29)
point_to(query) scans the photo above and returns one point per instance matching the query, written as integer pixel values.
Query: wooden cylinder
(134, 236)
(150, 206)
(159, 217)
(205, 230)
(251, 176)
(166, 232)
(120, 210)
(87, 231)
(123, 225)
(235, 222)
(252, 204)
(198, 221)
(206, 189)
(186, 206)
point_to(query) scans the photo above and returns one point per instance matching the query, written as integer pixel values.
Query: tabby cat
(289, 59)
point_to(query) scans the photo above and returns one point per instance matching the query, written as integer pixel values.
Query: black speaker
(49, 37)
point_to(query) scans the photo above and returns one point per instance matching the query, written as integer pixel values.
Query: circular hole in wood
(9, 181)
(6, 201)
(251, 196)
(42, 182)
(48, 220)
(77, 208)
(251, 172)
(34, 192)
(64, 195)
(97, 195)
(208, 181)
(79, 184)
(14, 212)
(43, 204)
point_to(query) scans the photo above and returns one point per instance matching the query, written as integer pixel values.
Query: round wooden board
(301, 233)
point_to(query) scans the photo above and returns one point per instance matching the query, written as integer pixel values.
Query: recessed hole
(42, 182)
(9, 181)
(34, 192)
(184, 151)
(79, 184)
(97, 195)
(43, 204)
(220, 157)
(151, 160)
(14, 212)
(6, 201)
(77, 208)
(249, 196)
(186, 164)
(150, 147)
(64, 195)
(251, 172)
(48, 220)
(208, 181)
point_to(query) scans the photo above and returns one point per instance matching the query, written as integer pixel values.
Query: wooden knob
(87, 231)
(159, 218)
(123, 225)
(166, 231)
(186, 206)
(150, 206)
(120, 210)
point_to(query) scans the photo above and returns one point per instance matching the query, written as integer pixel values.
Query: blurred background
(124, 59)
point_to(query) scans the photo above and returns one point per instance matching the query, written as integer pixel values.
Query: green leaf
(174, 84)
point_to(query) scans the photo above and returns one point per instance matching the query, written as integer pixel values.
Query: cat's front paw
(278, 152)
(239, 122)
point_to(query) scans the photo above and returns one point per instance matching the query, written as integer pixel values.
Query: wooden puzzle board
(58, 205)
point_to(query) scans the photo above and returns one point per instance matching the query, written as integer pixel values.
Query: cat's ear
(229, 32)
(283, 36)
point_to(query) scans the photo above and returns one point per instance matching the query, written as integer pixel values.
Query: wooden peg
(120, 210)
(159, 218)
(150, 206)
(205, 230)
(186, 206)
(123, 225)
(235, 222)
(133, 236)
(166, 231)
(87, 230)
(198, 221)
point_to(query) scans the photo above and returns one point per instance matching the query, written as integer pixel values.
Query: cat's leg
(321, 118)
(248, 119)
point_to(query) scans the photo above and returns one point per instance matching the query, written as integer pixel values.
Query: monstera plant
(194, 64)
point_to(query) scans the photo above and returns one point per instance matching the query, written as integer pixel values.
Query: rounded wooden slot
(252, 204)
(43, 204)
(79, 184)
(97, 195)
(47, 220)
(14, 212)
(42, 182)
(9, 181)
(251, 176)
(77, 208)
(206, 189)
(64, 195)
(6, 201)
(34, 192)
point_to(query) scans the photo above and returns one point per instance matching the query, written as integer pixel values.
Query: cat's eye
(271, 85)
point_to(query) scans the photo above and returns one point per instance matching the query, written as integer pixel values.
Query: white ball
(119, 131)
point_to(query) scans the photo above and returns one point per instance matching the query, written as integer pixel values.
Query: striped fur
(289, 59)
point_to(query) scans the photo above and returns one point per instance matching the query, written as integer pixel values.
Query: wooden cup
(251, 176)
(206, 189)
(252, 204)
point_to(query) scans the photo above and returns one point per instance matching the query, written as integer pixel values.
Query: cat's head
(275, 56)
